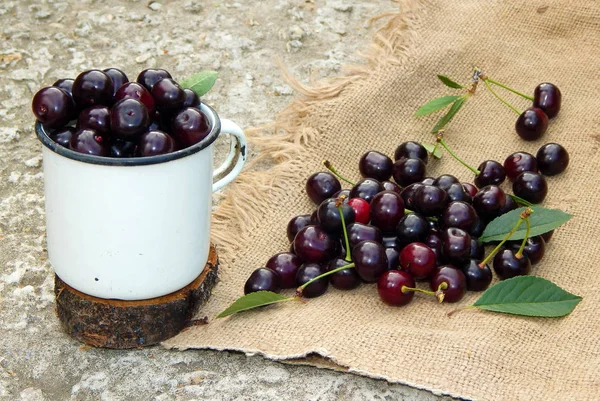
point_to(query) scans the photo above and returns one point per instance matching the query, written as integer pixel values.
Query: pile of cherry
(101, 113)
(415, 228)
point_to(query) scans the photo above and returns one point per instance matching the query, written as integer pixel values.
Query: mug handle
(238, 148)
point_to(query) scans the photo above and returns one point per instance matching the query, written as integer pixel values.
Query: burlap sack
(473, 354)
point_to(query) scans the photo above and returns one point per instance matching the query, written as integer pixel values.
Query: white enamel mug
(134, 228)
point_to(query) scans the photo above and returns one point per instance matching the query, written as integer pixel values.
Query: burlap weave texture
(473, 354)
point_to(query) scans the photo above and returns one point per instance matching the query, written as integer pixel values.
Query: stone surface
(43, 41)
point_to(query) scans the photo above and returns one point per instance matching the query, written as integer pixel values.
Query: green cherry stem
(524, 216)
(520, 200)
(509, 89)
(519, 253)
(441, 141)
(485, 81)
(330, 272)
(330, 167)
(338, 204)
(438, 293)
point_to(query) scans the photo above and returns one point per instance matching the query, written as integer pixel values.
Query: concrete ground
(45, 40)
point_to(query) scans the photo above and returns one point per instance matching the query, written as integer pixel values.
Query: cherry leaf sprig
(254, 300)
(200, 82)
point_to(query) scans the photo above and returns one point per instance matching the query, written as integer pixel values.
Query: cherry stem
(330, 272)
(509, 89)
(519, 253)
(520, 200)
(348, 258)
(405, 289)
(461, 161)
(438, 293)
(485, 81)
(452, 312)
(330, 167)
(524, 216)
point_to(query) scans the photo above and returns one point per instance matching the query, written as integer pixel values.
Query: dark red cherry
(191, 98)
(286, 265)
(534, 249)
(530, 186)
(262, 279)
(362, 209)
(393, 257)
(91, 88)
(346, 279)
(370, 260)
(547, 97)
(129, 119)
(53, 107)
(387, 208)
(295, 224)
(358, 232)
(329, 216)
(89, 142)
(366, 189)
(151, 76)
(375, 165)
(117, 77)
(478, 278)
(168, 95)
(412, 227)
(418, 259)
(312, 244)
(455, 280)
(411, 150)
(189, 126)
(96, 118)
(490, 173)
(307, 272)
(456, 246)
(470, 188)
(457, 192)
(489, 201)
(65, 84)
(552, 159)
(509, 205)
(322, 185)
(429, 200)
(519, 162)
(531, 124)
(121, 148)
(62, 136)
(408, 171)
(444, 181)
(154, 143)
(507, 264)
(460, 215)
(389, 287)
(134, 90)
(391, 186)
(408, 195)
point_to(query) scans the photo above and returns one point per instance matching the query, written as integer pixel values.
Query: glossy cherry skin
(53, 107)
(507, 265)
(375, 165)
(389, 287)
(434, 242)
(312, 244)
(445, 180)
(547, 97)
(295, 224)
(428, 181)
(96, 118)
(307, 272)
(490, 173)
(89, 142)
(408, 195)
(118, 78)
(346, 279)
(477, 249)
(391, 242)
(460, 215)
(358, 232)
(478, 278)
(370, 260)
(393, 257)
(457, 192)
(455, 280)
(391, 186)
(412, 227)
(456, 246)
(322, 185)
(470, 188)
(134, 90)
(387, 208)
(262, 279)
(429, 200)
(121, 148)
(129, 119)
(168, 95)
(519, 162)
(329, 216)
(91, 88)
(408, 171)
(489, 201)
(362, 210)
(418, 259)
(411, 150)
(509, 205)
(151, 76)
(534, 249)
(530, 186)
(532, 124)
(552, 159)
(65, 84)
(63, 136)
(191, 98)
(154, 143)
(366, 189)
(286, 265)
(189, 126)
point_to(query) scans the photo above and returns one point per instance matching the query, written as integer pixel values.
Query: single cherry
(191, 98)
(547, 97)
(53, 107)
(532, 124)
(117, 77)
(408, 195)
(389, 287)
(168, 95)
(134, 90)
(387, 208)
(262, 279)
(412, 227)
(445, 180)
(460, 215)
(507, 264)
(429, 200)
(370, 260)
(457, 192)
(456, 246)
(530, 186)
(286, 265)
(322, 185)
(362, 210)
(534, 248)
(490, 173)
(375, 165)
(312, 244)
(519, 162)
(418, 259)
(96, 118)
(489, 201)
(154, 143)
(151, 76)
(295, 224)
(478, 278)
(91, 88)
(329, 216)
(358, 232)
(129, 119)
(366, 189)
(552, 159)
(307, 272)
(346, 279)
(89, 142)
(455, 283)
(411, 150)
(189, 126)
(408, 171)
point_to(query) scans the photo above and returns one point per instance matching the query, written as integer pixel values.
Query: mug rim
(208, 111)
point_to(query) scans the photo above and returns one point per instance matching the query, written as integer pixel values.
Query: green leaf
(253, 300)
(436, 151)
(201, 82)
(541, 220)
(449, 83)
(528, 296)
(435, 105)
(449, 115)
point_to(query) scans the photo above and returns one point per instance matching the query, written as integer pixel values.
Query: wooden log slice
(120, 324)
